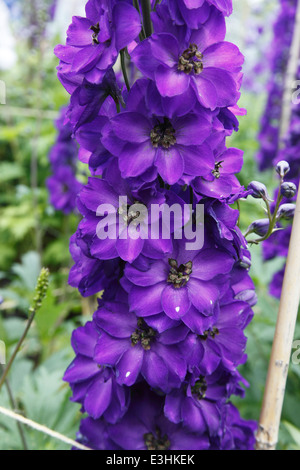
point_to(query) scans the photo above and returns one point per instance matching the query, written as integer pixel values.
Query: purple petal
(98, 398)
(210, 263)
(170, 165)
(146, 301)
(129, 366)
(158, 272)
(127, 23)
(203, 295)
(171, 82)
(175, 302)
(154, 370)
(108, 350)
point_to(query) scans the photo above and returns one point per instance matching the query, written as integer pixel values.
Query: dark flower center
(191, 60)
(179, 275)
(128, 214)
(216, 170)
(211, 333)
(96, 31)
(157, 441)
(200, 388)
(143, 335)
(163, 135)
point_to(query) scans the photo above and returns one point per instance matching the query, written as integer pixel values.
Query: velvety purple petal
(131, 127)
(79, 32)
(170, 164)
(128, 248)
(195, 320)
(145, 301)
(192, 416)
(129, 366)
(171, 82)
(172, 408)
(165, 48)
(158, 272)
(206, 91)
(192, 130)
(119, 324)
(127, 23)
(98, 398)
(154, 370)
(225, 85)
(135, 159)
(203, 295)
(218, 188)
(175, 302)
(210, 263)
(81, 368)
(198, 160)
(108, 350)
(223, 55)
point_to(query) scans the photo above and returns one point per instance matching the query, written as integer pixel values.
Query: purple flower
(90, 275)
(93, 386)
(144, 427)
(197, 404)
(238, 433)
(172, 146)
(63, 188)
(93, 42)
(204, 63)
(219, 341)
(195, 12)
(221, 182)
(114, 227)
(181, 281)
(135, 349)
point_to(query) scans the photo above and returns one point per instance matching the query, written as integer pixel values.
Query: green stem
(146, 10)
(9, 364)
(124, 69)
(14, 407)
(271, 218)
(142, 34)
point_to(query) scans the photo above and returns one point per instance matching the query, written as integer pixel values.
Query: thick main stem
(146, 10)
(267, 435)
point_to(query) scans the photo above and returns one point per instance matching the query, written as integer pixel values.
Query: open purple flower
(181, 280)
(117, 219)
(205, 63)
(93, 42)
(173, 146)
(137, 350)
(221, 182)
(93, 386)
(197, 404)
(144, 427)
(219, 341)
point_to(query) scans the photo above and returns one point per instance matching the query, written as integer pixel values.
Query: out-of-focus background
(34, 234)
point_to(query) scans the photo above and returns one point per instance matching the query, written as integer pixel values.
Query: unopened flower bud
(258, 190)
(288, 190)
(259, 227)
(286, 211)
(282, 168)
